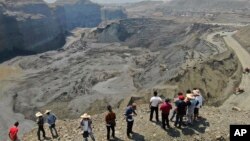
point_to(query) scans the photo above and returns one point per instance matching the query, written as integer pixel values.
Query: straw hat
(38, 114)
(85, 115)
(190, 96)
(47, 111)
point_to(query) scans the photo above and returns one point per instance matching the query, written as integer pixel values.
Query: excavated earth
(104, 65)
(213, 126)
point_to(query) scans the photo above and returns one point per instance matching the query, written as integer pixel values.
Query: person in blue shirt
(51, 119)
(129, 113)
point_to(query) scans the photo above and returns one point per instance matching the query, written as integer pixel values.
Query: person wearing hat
(165, 109)
(181, 111)
(154, 106)
(191, 103)
(85, 124)
(51, 119)
(129, 113)
(13, 132)
(110, 122)
(199, 98)
(40, 123)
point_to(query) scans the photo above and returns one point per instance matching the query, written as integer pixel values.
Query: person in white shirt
(85, 124)
(154, 106)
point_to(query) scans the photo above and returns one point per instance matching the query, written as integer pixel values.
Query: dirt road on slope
(241, 100)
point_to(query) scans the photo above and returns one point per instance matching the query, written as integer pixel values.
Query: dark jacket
(40, 121)
(181, 107)
(129, 113)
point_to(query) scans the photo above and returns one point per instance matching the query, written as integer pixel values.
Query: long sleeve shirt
(51, 119)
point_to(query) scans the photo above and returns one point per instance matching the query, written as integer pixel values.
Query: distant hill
(210, 4)
(121, 1)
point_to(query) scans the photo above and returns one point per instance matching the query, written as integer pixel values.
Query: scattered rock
(236, 108)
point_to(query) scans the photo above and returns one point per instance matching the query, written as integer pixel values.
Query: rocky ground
(161, 46)
(106, 64)
(214, 125)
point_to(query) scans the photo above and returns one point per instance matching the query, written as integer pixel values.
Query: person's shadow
(201, 125)
(198, 126)
(137, 137)
(173, 132)
(116, 139)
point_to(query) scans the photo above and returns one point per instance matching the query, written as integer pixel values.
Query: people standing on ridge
(199, 98)
(154, 106)
(181, 111)
(165, 109)
(175, 110)
(13, 132)
(129, 113)
(110, 122)
(85, 124)
(40, 123)
(51, 119)
(191, 103)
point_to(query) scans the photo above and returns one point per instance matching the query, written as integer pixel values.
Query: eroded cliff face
(81, 14)
(30, 27)
(27, 29)
(111, 13)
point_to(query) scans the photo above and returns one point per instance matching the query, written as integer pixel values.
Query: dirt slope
(243, 99)
(243, 37)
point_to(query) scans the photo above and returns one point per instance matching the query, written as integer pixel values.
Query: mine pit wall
(28, 33)
(31, 28)
(216, 77)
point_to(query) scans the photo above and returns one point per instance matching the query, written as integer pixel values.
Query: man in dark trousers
(165, 109)
(129, 113)
(154, 106)
(40, 123)
(110, 122)
(175, 110)
(181, 111)
(51, 119)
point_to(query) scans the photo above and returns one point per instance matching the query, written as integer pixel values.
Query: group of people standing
(51, 120)
(41, 120)
(110, 120)
(185, 105)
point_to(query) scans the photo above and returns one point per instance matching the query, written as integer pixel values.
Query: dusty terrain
(104, 65)
(243, 37)
(168, 47)
(212, 126)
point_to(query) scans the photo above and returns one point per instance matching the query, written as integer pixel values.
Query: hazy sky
(109, 1)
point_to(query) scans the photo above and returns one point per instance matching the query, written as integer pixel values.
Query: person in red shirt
(13, 132)
(165, 109)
